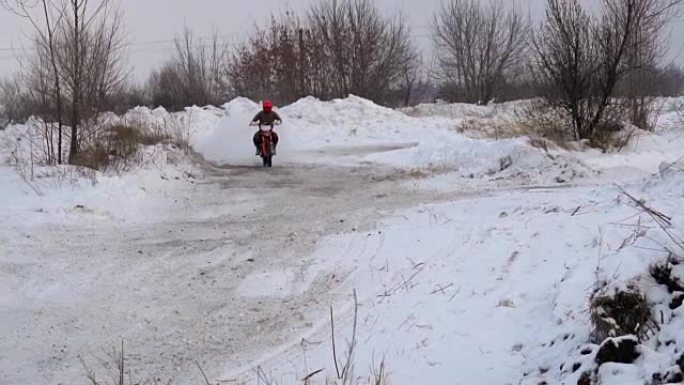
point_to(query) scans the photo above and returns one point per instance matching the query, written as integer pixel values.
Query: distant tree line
(593, 69)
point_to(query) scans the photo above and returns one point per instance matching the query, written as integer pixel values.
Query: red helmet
(268, 105)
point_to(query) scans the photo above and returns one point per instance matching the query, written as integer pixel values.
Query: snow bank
(491, 290)
(354, 131)
(462, 110)
(49, 193)
(428, 138)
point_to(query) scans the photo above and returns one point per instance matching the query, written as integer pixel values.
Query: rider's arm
(257, 117)
(277, 117)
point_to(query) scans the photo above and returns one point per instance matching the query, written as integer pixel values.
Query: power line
(23, 52)
(231, 36)
(139, 43)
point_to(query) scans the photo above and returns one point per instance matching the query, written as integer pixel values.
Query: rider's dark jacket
(266, 117)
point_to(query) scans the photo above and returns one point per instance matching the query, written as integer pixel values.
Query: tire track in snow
(169, 286)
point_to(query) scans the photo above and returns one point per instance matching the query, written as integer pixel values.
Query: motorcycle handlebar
(262, 124)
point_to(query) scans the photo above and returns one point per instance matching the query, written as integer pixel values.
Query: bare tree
(339, 48)
(568, 61)
(581, 59)
(195, 74)
(367, 53)
(416, 85)
(670, 81)
(281, 62)
(646, 48)
(51, 14)
(78, 63)
(91, 58)
(409, 80)
(478, 46)
(15, 104)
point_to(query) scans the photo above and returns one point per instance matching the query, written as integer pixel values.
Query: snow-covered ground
(472, 258)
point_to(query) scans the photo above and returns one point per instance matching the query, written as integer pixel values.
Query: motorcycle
(266, 143)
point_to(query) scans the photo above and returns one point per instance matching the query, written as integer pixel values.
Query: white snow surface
(355, 131)
(472, 258)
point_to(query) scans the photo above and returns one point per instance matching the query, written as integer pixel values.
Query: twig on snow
(441, 288)
(261, 376)
(662, 220)
(310, 375)
(334, 349)
(576, 210)
(352, 345)
(405, 282)
(347, 367)
(455, 294)
(121, 365)
(597, 272)
(206, 380)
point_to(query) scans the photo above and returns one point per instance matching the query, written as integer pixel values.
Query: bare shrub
(520, 86)
(415, 86)
(95, 157)
(125, 140)
(118, 146)
(427, 171)
(495, 128)
(544, 125)
(380, 376)
(615, 137)
(670, 81)
(282, 62)
(540, 122)
(112, 369)
(15, 103)
(129, 97)
(478, 47)
(337, 48)
(195, 74)
(24, 165)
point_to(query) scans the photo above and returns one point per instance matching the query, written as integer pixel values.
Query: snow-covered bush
(617, 312)
(118, 147)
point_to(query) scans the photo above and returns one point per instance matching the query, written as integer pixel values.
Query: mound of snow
(240, 106)
(453, 111)
(354, 130)
(464, 111)
(642, 156)
(340, 112)
(667, 169)
(476, 158)
(61, 192)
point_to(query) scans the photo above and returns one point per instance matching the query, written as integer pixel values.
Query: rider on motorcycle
(266, 117)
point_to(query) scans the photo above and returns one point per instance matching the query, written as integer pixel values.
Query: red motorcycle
(266, 143)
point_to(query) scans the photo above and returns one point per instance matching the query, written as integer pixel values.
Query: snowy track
(244, 268)
(175, 288)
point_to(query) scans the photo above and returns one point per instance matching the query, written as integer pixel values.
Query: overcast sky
(151, 21)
